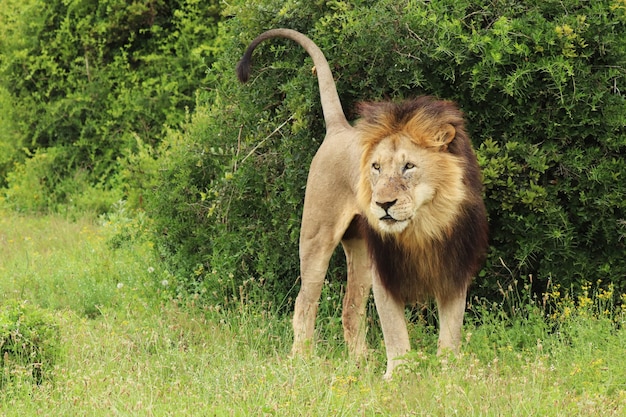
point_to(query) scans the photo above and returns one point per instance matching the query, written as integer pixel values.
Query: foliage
(542, 86)
(43, 182)
(125, 227)
(89, 82)
(29, 342)
(9, 137)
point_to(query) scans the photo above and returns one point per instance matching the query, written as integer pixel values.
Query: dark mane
(442, 269)
(438, 267)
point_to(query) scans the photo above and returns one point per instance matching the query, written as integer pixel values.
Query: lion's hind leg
(313, 265)
(329, 210)
(318, 240)
(357, 293)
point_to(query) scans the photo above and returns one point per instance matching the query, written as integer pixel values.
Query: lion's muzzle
(387, 221)
(386, 206)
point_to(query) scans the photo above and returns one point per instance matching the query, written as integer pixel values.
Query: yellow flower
(565, 31)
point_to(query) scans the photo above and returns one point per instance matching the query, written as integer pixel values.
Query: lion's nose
(386, 205)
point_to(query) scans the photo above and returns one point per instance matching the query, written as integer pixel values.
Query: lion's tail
(331, 105)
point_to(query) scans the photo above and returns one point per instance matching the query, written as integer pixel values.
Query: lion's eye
(408, 166)
(376, 166)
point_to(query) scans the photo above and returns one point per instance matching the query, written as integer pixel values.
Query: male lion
(401, 191)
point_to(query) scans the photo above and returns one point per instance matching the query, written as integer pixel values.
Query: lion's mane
(437, 254)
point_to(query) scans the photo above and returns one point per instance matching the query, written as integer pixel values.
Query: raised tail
(331, 105)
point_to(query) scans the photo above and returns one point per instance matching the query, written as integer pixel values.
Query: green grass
(127, 349)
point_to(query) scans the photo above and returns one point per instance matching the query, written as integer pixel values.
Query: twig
(265, 139)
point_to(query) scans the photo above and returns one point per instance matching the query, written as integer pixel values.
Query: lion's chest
(413, 270)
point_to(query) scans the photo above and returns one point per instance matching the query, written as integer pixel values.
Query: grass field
(126, 348)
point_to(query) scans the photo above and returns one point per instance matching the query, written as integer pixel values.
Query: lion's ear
(445, 136)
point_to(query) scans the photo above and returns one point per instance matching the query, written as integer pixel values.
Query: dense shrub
(29, 342)
(541, 83)
(91, 82)
(9, 137)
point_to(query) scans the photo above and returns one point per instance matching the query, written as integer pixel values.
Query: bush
(542, 86)
(9, 137)
(215, 205)
(94, 79)
(29, 342)
(44, 182)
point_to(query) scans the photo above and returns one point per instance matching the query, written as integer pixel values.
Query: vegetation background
(125, 119)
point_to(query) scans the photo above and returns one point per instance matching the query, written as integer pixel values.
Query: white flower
(165, 283)
(119, 285)
(150, 270)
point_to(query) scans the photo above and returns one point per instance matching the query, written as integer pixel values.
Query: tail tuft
(243, 67)
(331, 106)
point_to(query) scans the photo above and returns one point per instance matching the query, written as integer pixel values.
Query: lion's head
(412, 167)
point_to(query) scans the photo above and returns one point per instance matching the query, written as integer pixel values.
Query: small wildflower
(165, 283)
(597, 362)
(567, 311)
(120, 285)
(150, 270)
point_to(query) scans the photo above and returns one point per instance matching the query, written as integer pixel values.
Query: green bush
(9, 137)
(541, 84)
(225, 209)
(93, 80)
(29, 342)
(44, 182)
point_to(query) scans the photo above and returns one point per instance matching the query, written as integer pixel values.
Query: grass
(126, 348)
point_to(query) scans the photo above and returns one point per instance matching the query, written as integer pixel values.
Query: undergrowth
(29, 339)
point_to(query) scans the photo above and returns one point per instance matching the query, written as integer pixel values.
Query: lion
(401, 190)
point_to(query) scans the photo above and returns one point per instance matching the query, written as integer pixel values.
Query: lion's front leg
(451, 311)
(393, 323)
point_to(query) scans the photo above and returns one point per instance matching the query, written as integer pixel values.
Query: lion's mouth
(389, 224)
(391, 221)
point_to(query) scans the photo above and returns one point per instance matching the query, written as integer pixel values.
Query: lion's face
(400, 183)
(410, 182)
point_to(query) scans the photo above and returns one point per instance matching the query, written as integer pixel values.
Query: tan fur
(401, 192)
